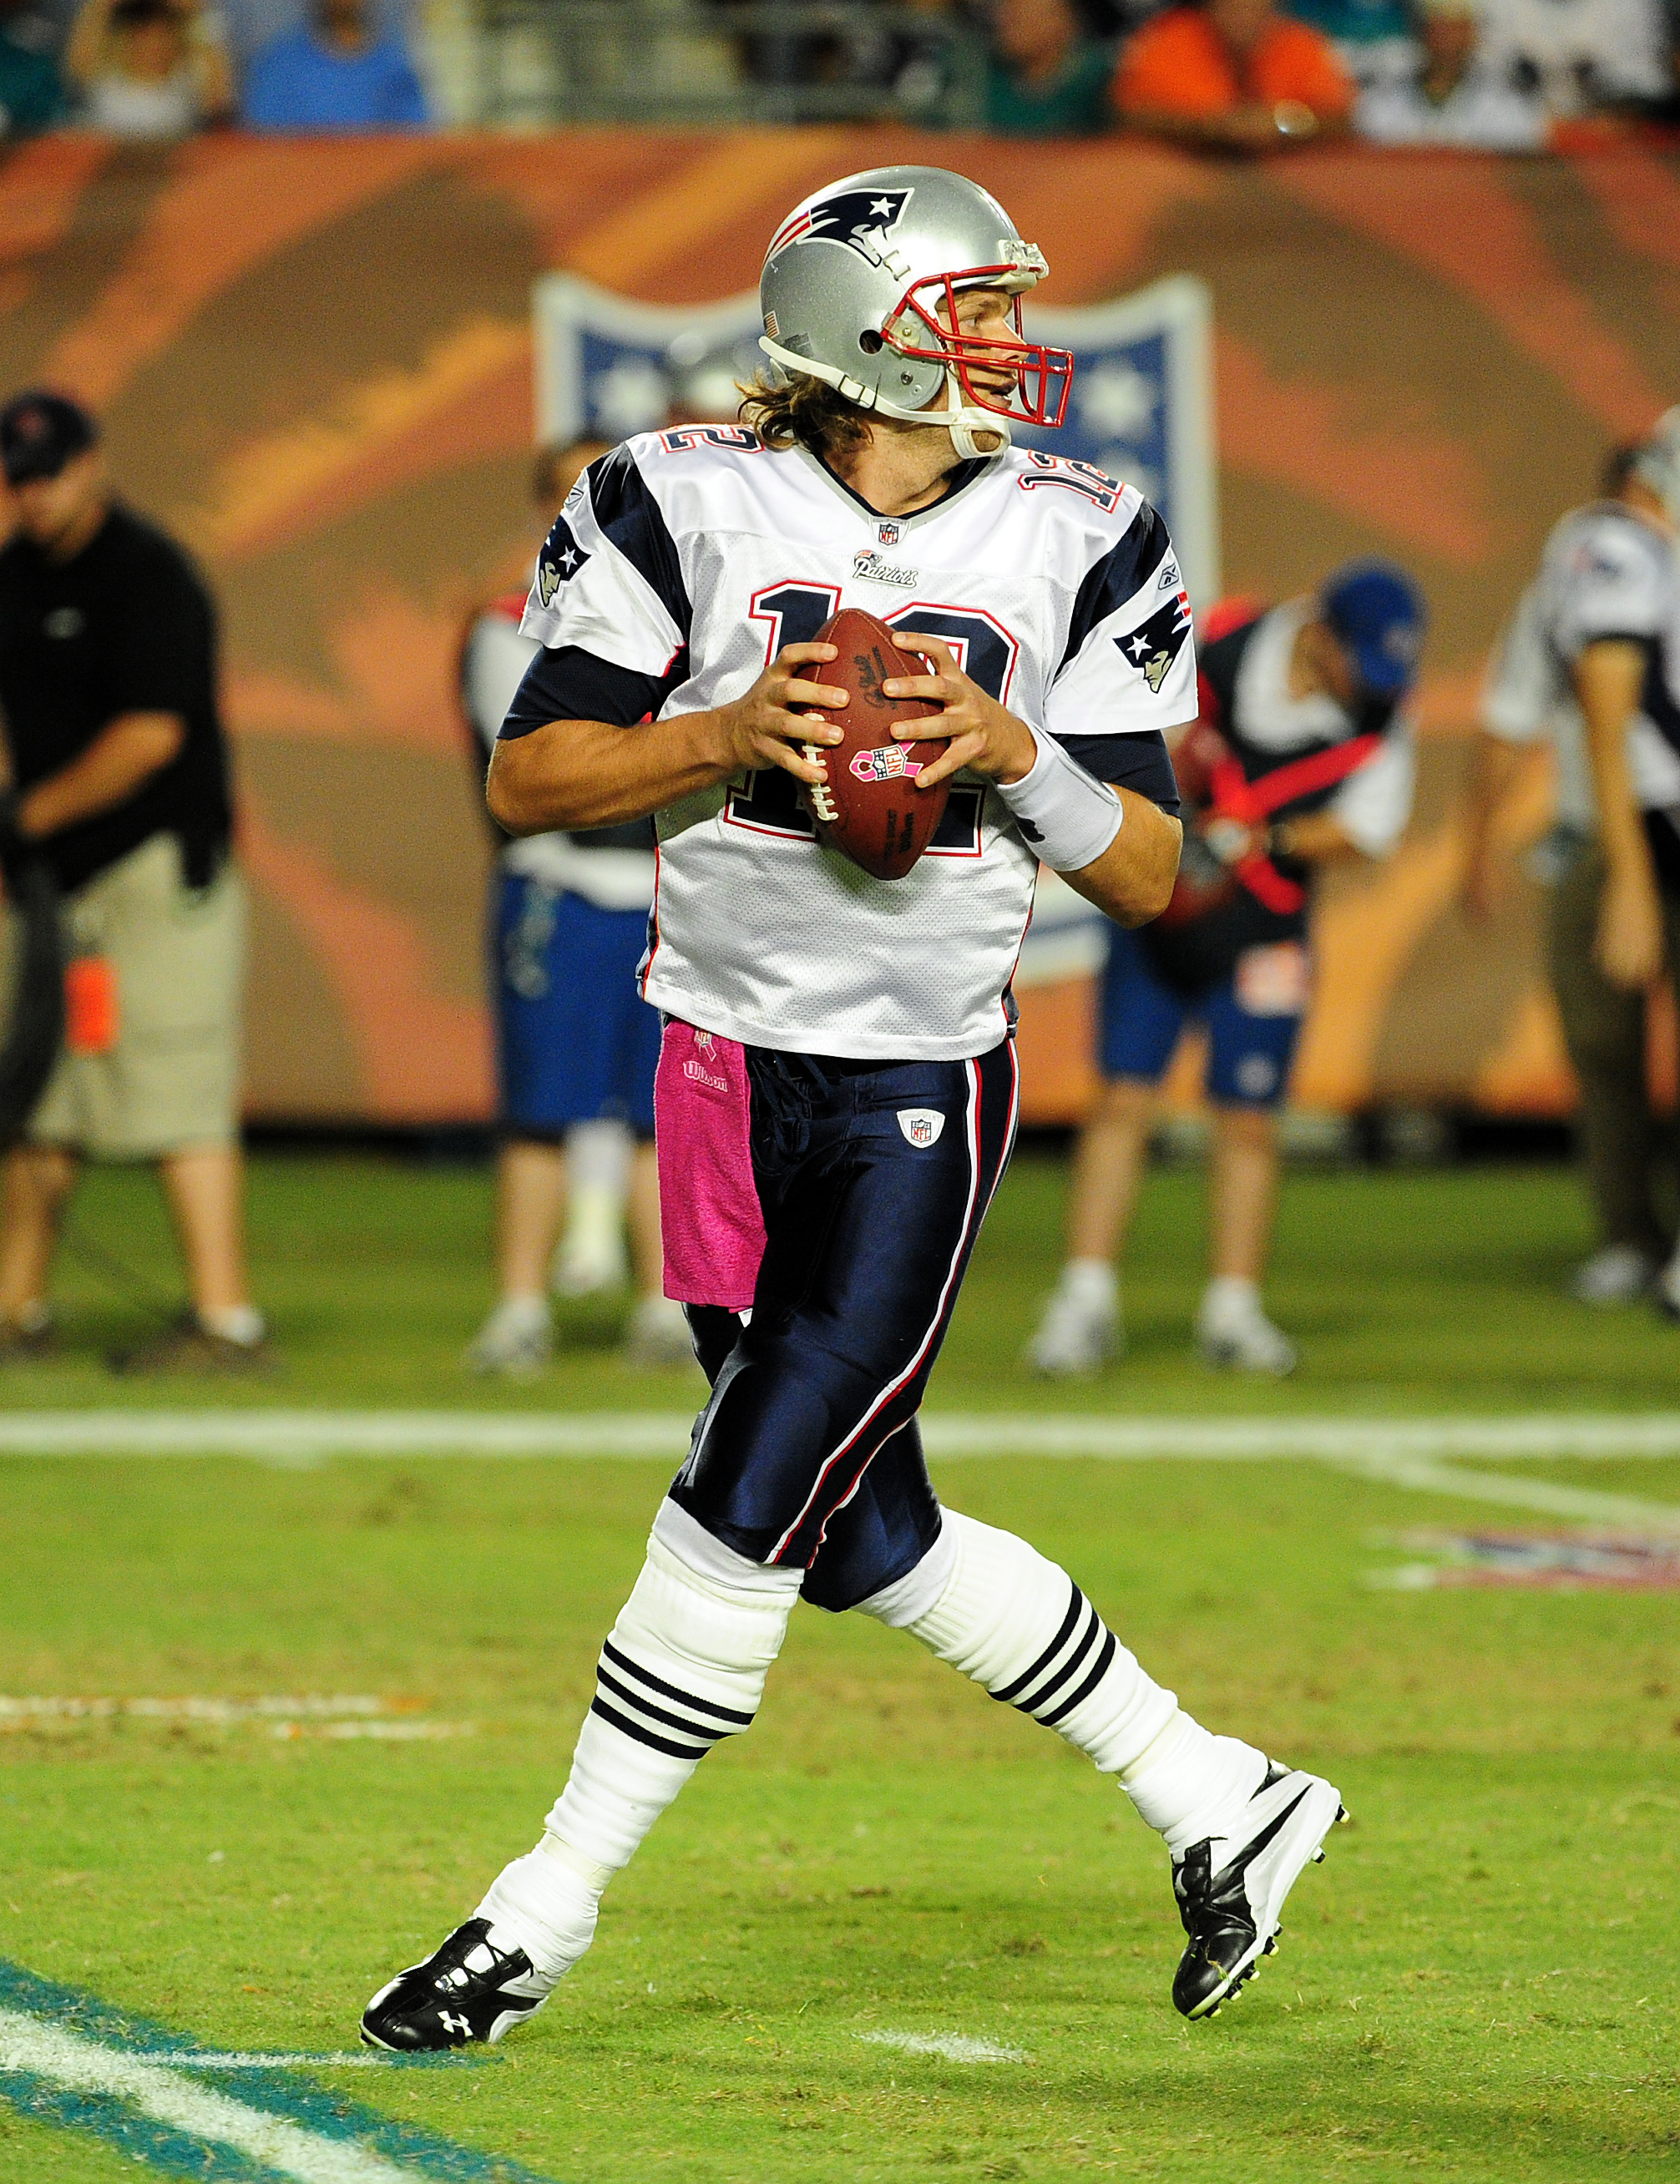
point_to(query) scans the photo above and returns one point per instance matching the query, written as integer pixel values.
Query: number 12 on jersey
(792, 615)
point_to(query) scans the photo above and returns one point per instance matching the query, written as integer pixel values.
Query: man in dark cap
(1302, 757)
(118, 772)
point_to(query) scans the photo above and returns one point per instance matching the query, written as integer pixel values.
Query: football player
(1591, 659)
(1302, 757)
(837, 1088)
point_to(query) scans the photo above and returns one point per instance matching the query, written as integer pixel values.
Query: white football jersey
(1606, 573)
(1527, 698)
(682, 563)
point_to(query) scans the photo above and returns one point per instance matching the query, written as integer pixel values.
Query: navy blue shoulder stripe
(1137, 760)
(630, 516)
(1123, 570)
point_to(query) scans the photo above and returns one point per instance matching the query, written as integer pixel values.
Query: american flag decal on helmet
(851, 218)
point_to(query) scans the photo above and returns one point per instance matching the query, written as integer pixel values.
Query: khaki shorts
(170, 1078)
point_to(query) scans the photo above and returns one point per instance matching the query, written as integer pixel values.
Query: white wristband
(1065, 814)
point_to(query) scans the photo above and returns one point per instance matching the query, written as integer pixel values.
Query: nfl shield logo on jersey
(921, 1126)
(888, 534)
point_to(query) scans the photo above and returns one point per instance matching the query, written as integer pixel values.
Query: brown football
(869, 808)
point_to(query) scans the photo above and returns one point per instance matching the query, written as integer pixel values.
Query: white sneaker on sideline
(1080, 1331)
(514, 1342)
(591, 1256)
(658, 1335)
(1233, 1332)
(1621, 1273)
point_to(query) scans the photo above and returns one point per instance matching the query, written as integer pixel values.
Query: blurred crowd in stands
(1244, 75)
(1232, 76)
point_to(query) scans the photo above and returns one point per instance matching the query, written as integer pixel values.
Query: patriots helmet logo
(858, 220)
(1154, 646)
(561, 559)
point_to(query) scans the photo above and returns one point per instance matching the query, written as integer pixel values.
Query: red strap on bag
(1254, 802)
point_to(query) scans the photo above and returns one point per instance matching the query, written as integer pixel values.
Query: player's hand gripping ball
(869, 808)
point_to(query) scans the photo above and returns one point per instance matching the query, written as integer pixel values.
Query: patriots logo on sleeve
(1153, 645)
(856, 219)
(562, 558)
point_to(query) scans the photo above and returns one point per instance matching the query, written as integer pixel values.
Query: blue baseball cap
(1377, 612)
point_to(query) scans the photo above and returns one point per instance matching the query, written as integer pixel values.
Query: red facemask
(1043, 376)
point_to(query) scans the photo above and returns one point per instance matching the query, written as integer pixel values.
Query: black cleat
(472, 1990)
(1231, 1888)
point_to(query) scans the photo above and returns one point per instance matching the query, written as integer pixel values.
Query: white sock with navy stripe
(994, 1608)
(684, 1667)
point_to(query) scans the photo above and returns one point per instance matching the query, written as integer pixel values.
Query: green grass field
(1477, 1983)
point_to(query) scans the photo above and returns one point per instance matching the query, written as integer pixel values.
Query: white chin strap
(966, 422)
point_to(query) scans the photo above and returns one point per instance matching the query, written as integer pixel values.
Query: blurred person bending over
(1592, 658)
(576, 1045)
(149, 70)
(1301, 757)
(120, 771)
(342, 72)
(1232, 75)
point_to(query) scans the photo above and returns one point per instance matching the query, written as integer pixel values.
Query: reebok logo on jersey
(858, 219)
(1153, 645)
(921, 1126)
(561, 560)
(1169, 577)
(873, 570)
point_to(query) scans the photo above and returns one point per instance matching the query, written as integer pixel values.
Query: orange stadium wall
(315, 361)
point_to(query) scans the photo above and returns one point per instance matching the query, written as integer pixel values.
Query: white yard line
(1414, 1453)
(954, 2046)
(662, 1436)
(1579, 1504)
(65, 2058)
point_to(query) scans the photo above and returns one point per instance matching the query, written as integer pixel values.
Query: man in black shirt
(119, 773)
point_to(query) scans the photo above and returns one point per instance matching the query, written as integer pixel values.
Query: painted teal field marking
(135, 2136)
(73, 2059)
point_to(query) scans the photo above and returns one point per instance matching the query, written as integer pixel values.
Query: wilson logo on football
(891, 763)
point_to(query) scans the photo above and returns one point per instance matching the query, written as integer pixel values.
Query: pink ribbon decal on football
(710, 1222)
(888, 763)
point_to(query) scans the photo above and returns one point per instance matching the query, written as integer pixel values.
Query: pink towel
(709, 1218)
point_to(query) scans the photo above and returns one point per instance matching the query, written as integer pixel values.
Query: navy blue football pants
(873, 1181)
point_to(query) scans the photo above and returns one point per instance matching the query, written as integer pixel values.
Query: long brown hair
(804, 411)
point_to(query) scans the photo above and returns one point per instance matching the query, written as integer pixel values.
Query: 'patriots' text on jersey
(681, 566)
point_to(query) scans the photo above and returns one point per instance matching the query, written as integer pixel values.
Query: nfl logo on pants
(921, 1125)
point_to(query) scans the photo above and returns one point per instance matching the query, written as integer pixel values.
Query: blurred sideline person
(1302, 757)
(576, 1045)
(119, 769)
(1592, 658)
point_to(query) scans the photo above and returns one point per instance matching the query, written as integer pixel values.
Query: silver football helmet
(860, 288)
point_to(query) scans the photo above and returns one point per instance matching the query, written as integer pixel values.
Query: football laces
(821, 802)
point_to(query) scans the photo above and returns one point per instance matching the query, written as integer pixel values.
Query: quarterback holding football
(850, 824)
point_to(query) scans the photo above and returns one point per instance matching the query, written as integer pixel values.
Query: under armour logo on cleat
(461, 2024)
